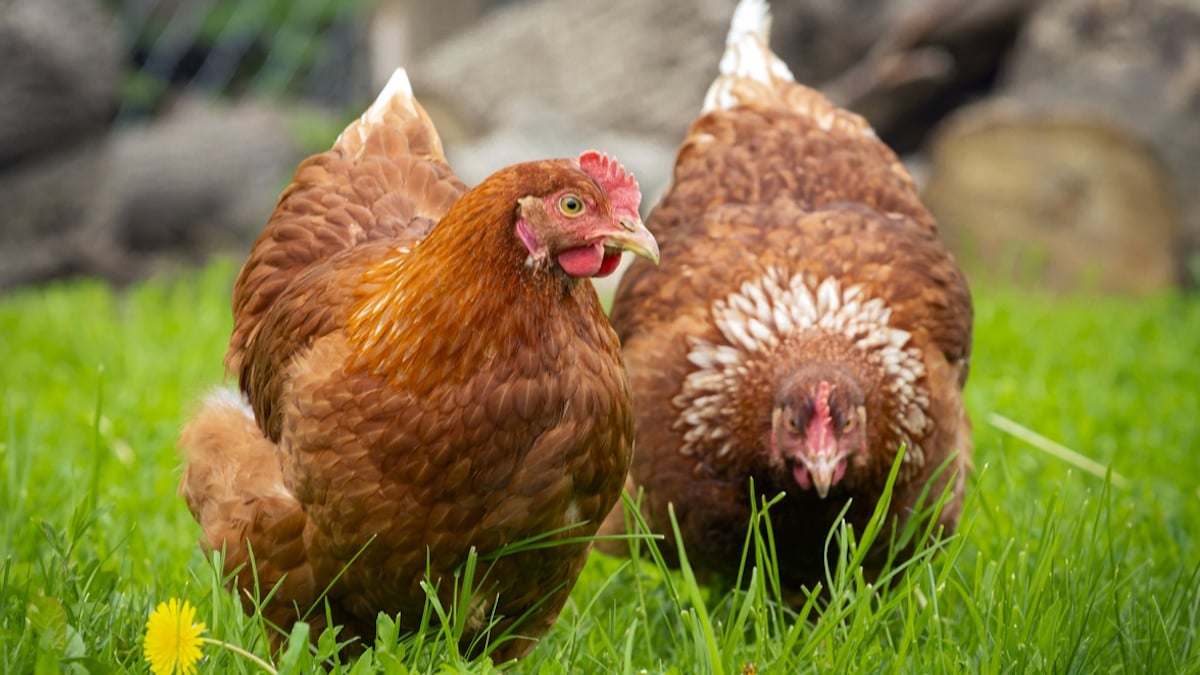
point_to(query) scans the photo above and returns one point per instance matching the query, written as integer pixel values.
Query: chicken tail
(234, 487)
(751, 74)
(386, 177)
(395, 107)
(748, 58)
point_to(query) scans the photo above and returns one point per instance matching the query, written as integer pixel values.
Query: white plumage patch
(233, 472)
(230, 398)
(760, 316)
(572, 515)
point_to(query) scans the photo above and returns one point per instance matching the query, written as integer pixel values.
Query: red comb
(821, 405)
(622, 189)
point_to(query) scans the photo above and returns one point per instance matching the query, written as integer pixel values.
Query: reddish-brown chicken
(805, 325)
(427, 370)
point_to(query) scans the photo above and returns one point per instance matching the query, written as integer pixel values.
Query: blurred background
(1057, 141)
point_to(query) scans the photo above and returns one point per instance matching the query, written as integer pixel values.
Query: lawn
(1057, 567)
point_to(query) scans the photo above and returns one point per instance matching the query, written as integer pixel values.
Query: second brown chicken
(805, 325)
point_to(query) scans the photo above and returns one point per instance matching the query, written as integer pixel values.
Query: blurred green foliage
(227, 47)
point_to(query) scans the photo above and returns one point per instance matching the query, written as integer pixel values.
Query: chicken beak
(823, 469)
(635, 238)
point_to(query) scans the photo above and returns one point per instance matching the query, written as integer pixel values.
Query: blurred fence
(316, 49)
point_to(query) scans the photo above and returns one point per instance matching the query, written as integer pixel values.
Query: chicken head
(584, 231)
(818, 423)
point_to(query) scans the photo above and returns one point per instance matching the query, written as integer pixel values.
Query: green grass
(1055, 569)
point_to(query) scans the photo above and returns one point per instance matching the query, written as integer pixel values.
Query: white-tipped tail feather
(397, 84)
(750, 74)
(397, 87)
(747, 56)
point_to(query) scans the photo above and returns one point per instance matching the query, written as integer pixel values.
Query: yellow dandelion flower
(172, 645)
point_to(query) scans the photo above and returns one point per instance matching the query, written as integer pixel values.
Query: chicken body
(805, 324)
(426, 370)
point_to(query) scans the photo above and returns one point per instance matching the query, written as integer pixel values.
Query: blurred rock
(625, 66)
(400, 30)
(526, 131)
(59, 62)
(201, 180)
(57, 217)
(642, 68)
(1055, 201)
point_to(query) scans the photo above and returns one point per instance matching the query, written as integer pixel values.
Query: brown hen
(806, 325)
(426, 369)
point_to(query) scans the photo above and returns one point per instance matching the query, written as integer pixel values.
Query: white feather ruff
(760, 316)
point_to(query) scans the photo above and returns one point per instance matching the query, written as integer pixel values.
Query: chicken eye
(570, 205)
(848, 424)
(793, 424)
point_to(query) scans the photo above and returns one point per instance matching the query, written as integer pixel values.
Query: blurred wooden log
(1058, 201)
(1134, 63)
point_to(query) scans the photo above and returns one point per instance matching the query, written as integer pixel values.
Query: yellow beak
(635, 238)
